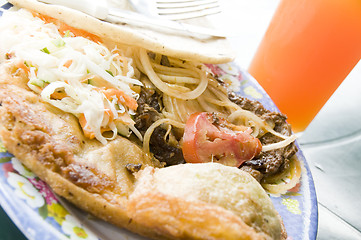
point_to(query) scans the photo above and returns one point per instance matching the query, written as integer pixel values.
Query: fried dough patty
(95, 177)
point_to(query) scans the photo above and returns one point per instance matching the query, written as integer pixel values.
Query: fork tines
(184, 9)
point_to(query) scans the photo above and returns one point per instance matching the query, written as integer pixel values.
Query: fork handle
(100, 10)
(97, 9)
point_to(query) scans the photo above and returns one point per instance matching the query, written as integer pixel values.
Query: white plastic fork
(176, 9)
(101, 11)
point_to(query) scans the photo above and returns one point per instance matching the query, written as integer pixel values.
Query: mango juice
(308, 50)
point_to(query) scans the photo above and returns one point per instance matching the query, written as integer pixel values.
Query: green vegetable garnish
(45, 50)
(108, 71)
(59, 42)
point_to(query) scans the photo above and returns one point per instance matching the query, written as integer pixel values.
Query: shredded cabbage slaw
(74, 74)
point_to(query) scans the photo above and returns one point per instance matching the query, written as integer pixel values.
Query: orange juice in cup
(309, 48)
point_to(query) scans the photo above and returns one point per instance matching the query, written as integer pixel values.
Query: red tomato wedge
(208, 138)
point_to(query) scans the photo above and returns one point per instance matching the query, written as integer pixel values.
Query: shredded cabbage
(71, 72)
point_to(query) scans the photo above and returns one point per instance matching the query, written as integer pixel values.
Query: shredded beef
(133, 168)
(270, 162)
(149, 106)
(148, 109)
(263, 165)
(163, 151)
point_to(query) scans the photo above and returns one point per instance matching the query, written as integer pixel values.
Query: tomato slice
(208, 137)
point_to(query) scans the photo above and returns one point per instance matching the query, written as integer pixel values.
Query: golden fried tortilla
(191, 201)
(51, 144)
(204, 201)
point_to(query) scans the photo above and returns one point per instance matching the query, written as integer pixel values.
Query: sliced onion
(280, 144)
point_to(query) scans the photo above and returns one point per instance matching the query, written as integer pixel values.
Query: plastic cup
(308, 49)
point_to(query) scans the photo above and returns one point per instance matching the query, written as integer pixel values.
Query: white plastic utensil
(176, 9)
(100, 10)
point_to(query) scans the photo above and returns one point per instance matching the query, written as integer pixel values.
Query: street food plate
(40, 214)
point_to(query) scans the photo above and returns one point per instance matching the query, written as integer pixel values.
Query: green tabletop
(8, 230)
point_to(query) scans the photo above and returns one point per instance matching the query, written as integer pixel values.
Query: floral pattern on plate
(36, 195)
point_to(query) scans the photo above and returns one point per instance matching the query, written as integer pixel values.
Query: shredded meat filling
(270, 162)
(265, 164)
(149, 106)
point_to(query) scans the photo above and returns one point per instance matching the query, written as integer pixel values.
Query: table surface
(331, 143)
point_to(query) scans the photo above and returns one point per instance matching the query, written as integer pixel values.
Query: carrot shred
(63, 28)
(122, 97)
(22, 66)
(87, 132)
(58, 95)
(68, 63)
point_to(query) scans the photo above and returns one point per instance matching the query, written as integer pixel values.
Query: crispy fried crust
(176, 218)
(94, 177)
(204, 201)
(49, 141)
